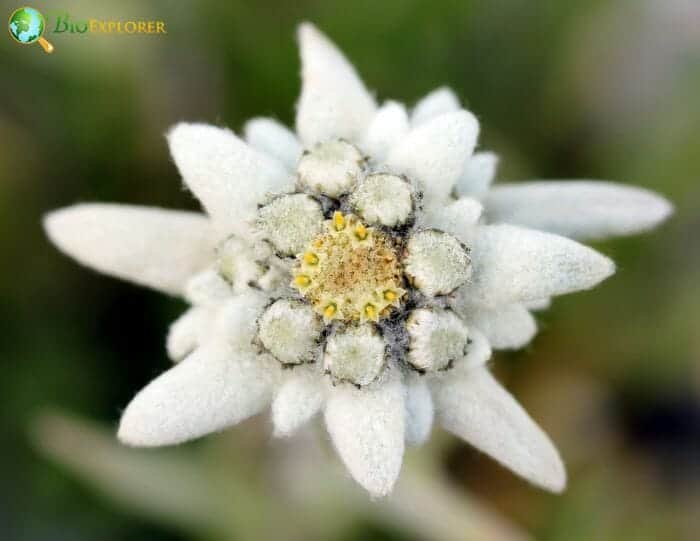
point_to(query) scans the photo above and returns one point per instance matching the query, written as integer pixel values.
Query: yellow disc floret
(350, 271)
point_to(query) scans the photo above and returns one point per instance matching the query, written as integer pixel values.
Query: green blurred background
(578, 89)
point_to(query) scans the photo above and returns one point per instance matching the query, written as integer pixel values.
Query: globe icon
(26, 26)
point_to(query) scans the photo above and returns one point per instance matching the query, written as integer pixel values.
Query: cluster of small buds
(360, 258)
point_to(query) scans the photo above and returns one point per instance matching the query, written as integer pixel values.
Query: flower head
(361, 267)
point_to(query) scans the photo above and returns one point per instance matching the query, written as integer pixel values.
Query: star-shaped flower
(349, 269)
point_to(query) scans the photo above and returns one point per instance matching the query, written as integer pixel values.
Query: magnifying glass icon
(26, 26)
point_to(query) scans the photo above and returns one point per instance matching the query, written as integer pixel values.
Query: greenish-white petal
(210, 390)
(475, 407)
(275, 139)
(578, 209)
(367, 427)
(513, 264)
(334, 102)
(152, 247)
(228, 176)
(440, 101)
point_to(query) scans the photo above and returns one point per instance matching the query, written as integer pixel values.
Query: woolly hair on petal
(187, 332)
(296, 401)
(434, 154)
(388, 127)
(273, 138)
(207, 288)
(478, 174)
(513, 264)
(578, 209)
(152, 247)
(419, 412)
(236, 322)
(475, 407)
(367, 427)
(228, 176)
(210, 390)
(457, 218)
(334, 102)
(439, 101)
(506, 327)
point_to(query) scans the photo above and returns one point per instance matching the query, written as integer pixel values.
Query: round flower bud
(331, 168)
(356, 355)
(290, 222)
(437, 338)
(290, 330)
(383, 199)
(436, 263)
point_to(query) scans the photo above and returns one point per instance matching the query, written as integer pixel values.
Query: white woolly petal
(187, 332)
(383, 199)
(538, 304)
(580, 209)
(367, 427)
(513, 264)
(152, 247)
(273, 138)
(236, 321)
(436, 262)
(291, 222)
(210, 390)
(228, 176)
(478, 352)
(334, 103)
(387, 128)
(437, 338)
(238, 264)
(438, 102)
(331, 168)
(457, 218)
(419, 412)
(478, 174)
(434, 153)
(207, 288)
(290, 330)
(476, 408)
(356, 354)
(506, 327)
(297, 400)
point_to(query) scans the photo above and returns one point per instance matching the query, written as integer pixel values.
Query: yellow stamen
(330, 310)
(338, 220)
(390, 295)
(370, 311)
(361, 232)
(310, 258)
(302, 280)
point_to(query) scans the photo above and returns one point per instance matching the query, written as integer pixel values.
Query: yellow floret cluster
(350, 271)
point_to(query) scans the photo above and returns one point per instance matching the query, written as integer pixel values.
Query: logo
(26, 26)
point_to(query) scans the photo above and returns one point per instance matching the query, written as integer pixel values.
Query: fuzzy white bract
(362, 267)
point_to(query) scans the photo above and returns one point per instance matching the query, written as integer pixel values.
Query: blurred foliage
(588, 89)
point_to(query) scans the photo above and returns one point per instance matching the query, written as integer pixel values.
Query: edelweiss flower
(349, 269)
